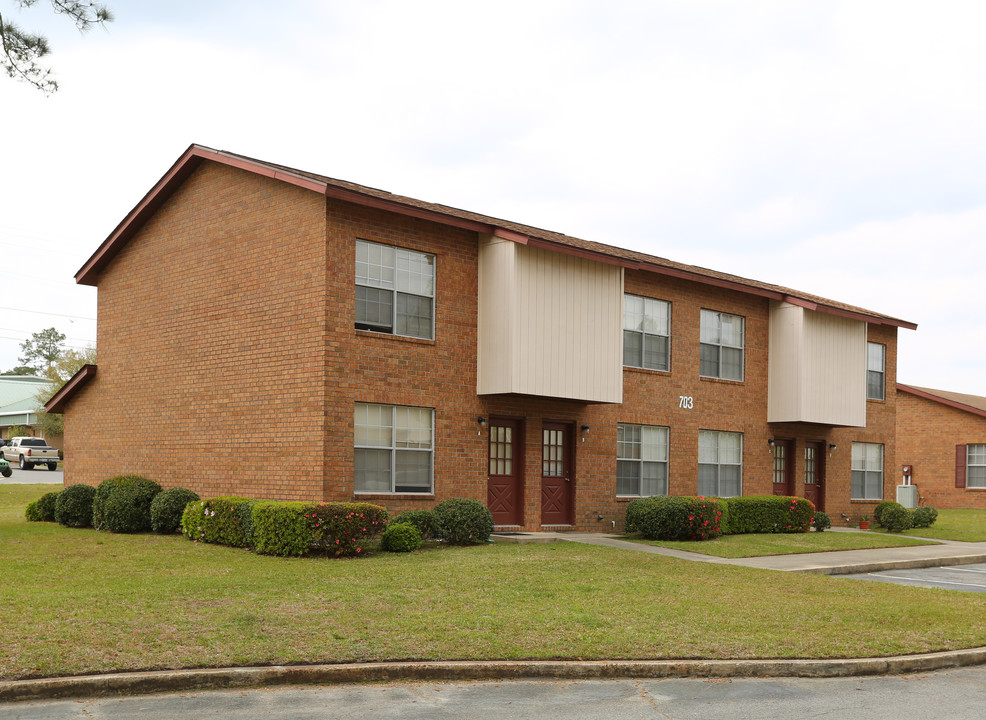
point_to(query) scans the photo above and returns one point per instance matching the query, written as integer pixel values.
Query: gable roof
(960, 401)
(57, 402)
(88, 274)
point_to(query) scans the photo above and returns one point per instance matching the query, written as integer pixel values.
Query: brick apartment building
(269, 332)
(942, 436)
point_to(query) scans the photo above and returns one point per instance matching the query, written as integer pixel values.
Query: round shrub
(401, 537)
(821, 522)
(880, 507)
(124, 511)
(167, 508)
(32, 513)
(73, 508)
(923, 517)
(460, 521)
(895, 519)
(42, 509)
(423, 520)
(145, 489)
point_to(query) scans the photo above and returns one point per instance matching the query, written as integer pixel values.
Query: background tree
(19, 370)
(22, 50)
(42, 351)
(67, 365)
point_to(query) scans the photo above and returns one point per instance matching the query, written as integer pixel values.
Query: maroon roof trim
(195, 154)
(940, 399)
(69, 389)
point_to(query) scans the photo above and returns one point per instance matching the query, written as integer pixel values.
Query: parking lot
(38, 475)
(968, 578)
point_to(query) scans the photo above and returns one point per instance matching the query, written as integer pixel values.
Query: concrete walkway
(842, 562)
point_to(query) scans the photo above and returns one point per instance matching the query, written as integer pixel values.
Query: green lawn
(79, 601)
(742, 546)
(964, 525)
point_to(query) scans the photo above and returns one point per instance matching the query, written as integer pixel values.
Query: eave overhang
(69, 389)
(941, 400)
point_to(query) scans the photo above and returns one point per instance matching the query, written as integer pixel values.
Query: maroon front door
(815, 474)
(556, 474)
(504, 491)
(784, 467)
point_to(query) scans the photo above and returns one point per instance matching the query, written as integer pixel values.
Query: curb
(91, 686)
(893, 565)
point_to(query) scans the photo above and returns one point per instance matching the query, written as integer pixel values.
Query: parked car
(28, 452)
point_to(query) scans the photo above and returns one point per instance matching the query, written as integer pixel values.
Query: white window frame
(717, 436)
(395, 447)
(864, 471)
(979, 456)
(627, 448)
(710, 336)
(397, 274)
(872, 371)
(650, 328)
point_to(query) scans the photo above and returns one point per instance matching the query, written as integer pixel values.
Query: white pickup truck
(28, 452)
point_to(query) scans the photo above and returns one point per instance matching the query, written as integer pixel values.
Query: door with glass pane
(815, 474)
(504, 494)
(784, 467)
(556, 474)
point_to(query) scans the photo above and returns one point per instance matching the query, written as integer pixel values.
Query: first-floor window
(720, 463)
(641, 460)
(394, 447)
(867, 471)
(975, 476)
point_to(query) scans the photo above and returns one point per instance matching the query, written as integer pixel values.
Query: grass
(743, 546)
(963, 525)
(80, 601)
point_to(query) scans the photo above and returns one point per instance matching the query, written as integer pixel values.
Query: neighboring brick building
(942, 436)
(273, 333)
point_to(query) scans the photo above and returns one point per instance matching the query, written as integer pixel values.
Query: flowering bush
(675, 518)
(342, 529)
(215, 521)
(769, 514)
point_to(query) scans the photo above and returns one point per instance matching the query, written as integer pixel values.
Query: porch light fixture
(482, 424)
(770, 441)
(831, 447)
(585, 429)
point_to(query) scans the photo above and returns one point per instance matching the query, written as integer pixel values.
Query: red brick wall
(211, 345)
(927, 433)
(229, 364)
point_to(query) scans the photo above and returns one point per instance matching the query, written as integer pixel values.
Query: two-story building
(274, 333)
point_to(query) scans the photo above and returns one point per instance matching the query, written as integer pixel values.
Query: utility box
(907, 495)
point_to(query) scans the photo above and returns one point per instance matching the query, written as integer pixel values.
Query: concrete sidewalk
(842, 562)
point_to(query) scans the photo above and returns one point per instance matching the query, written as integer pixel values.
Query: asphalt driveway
(38, 475)
(968, 578)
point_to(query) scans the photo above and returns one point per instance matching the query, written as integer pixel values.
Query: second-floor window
(646, 333)
(876, 364)
(395, 290)
(721, 351)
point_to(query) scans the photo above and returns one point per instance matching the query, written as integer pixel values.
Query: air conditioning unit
(907, 495)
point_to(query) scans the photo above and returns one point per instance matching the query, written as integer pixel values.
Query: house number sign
(686, 401)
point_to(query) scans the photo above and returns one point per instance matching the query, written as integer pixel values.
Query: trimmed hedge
(675, 517)
(423, 520)
(282, 528)
(896, 518)
(73, 508)
(42, 509)
(401, 537)
(167, 508)
(131, 511)
(769, 514)
(461, 521)
(215, 521)
(920, 517)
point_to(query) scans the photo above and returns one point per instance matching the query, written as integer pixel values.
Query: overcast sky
(834, 147)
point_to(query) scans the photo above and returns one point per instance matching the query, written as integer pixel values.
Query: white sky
(833, 147)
